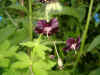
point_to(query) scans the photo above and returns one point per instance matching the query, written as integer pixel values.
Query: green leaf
(28, 44)
(59, 73)
(26, 72)
(97, 8)
(4, 63)
(38, 55)
(23, 61)
(41, 67)
(95, 72)
(9, 52)
(39, 51)
(82, 13)
(11, 72)
(38, 48)
(5, 33)
(43, 47)
(12, 51)
(4, 45)
(22, 56)
(13, 1)
(6, 50)
(94, 43)
(38, 71)
(19, 36)
(21, 65)
(18, 7)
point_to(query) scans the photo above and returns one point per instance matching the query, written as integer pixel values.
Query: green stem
(60, 63)
(56, 49)
(84, 36)
(30, 20)
(30, 31)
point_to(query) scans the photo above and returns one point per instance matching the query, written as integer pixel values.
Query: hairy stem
(84, 36)
(30, 30)
(30, 20)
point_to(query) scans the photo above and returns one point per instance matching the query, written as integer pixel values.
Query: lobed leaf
(94, 43)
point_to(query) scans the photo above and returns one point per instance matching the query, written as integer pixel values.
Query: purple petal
(41, 23)
(78, 42)
(54, 23)
(40, 26)
(38, 30)
(70, 41)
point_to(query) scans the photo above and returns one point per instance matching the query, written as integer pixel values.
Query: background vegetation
(25, 52)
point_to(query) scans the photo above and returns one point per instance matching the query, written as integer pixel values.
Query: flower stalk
(30, 20)
(30, 31)
(60, 62)
(84, 36)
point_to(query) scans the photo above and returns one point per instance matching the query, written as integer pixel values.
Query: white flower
(54, 6)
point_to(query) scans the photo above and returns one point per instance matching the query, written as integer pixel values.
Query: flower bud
(51, 56)
(60, 63)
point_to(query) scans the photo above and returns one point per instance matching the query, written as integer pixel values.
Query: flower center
(73, 46)
(47, 29)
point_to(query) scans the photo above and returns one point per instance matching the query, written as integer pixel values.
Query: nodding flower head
(47, 28)
(0, 18)
(72, 44)
(97, 17)
(60, 63)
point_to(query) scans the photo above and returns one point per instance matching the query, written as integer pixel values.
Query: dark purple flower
(46, 1)
(72, 44)
(47, 28)
(43, 1)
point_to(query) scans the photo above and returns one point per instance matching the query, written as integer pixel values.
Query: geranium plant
(49, 37)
